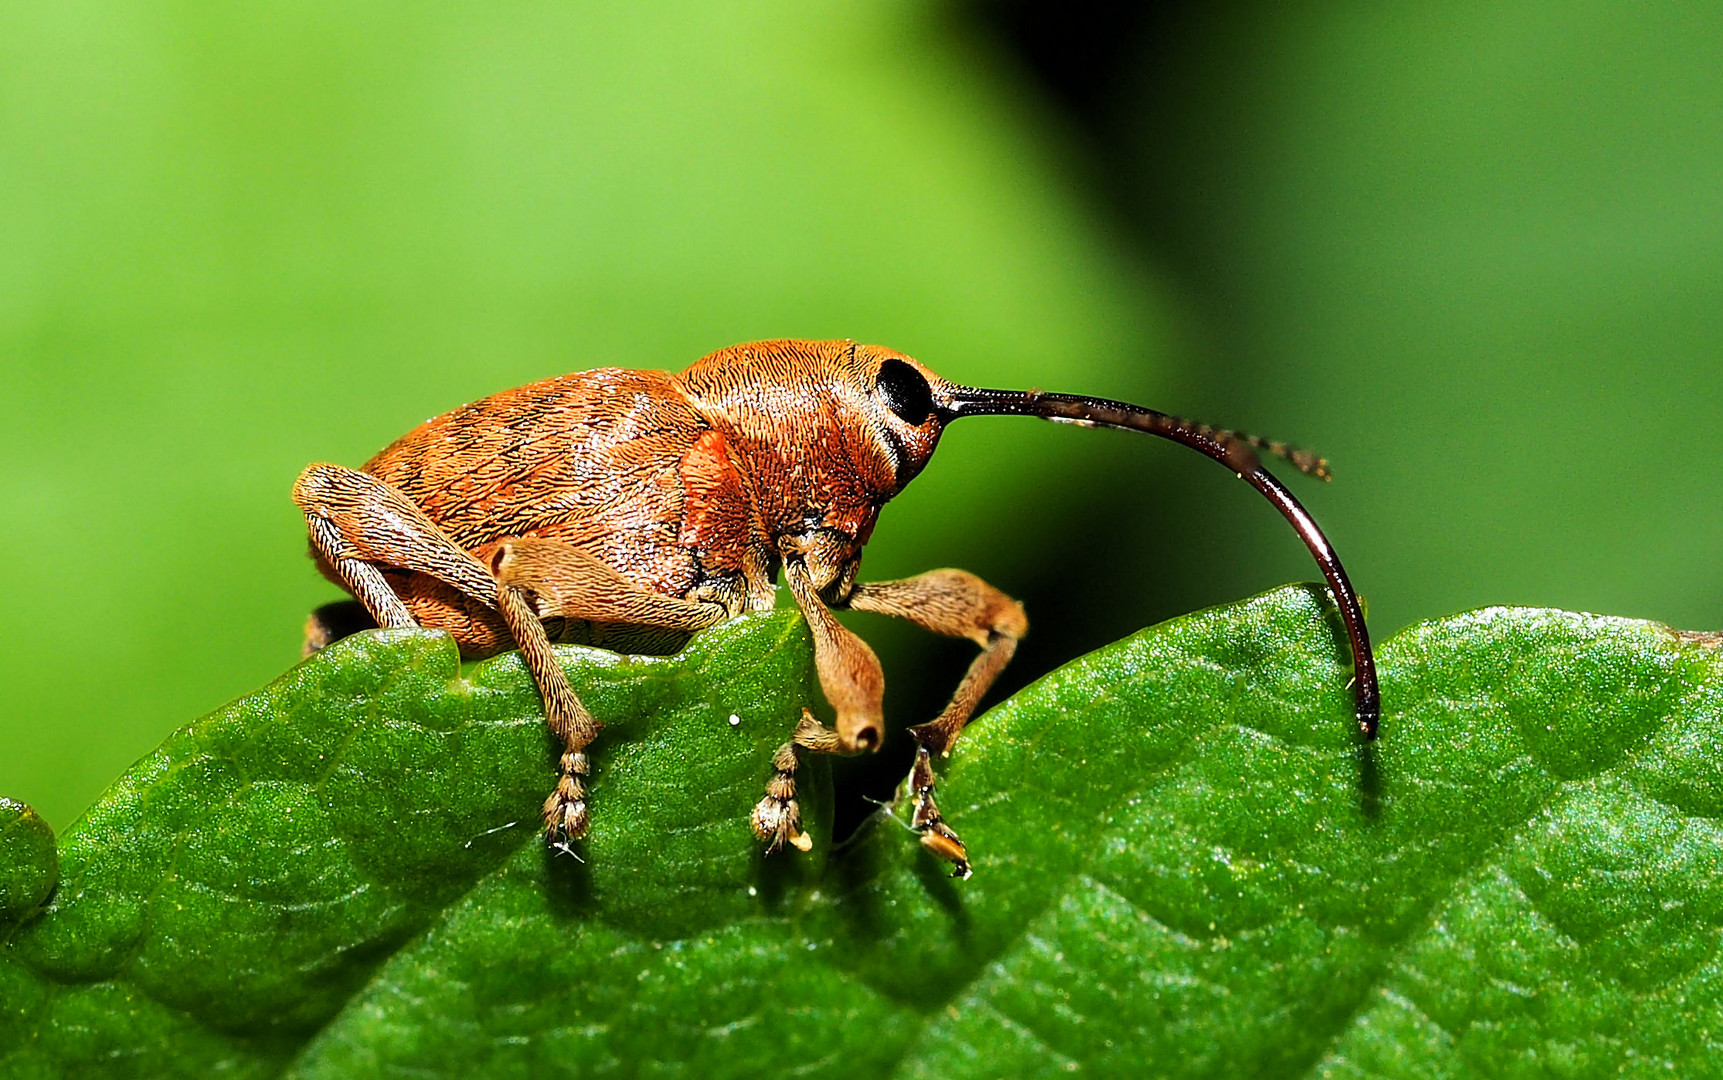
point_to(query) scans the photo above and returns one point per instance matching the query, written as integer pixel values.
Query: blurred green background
(1472, 252)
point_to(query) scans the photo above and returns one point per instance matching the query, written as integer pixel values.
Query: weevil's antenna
(1238, 453)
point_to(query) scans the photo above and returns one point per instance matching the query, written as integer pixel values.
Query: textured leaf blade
(1185, 867)
(1240, 908)
(29, 861)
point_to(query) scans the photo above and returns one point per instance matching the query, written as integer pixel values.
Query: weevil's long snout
(1237, 452)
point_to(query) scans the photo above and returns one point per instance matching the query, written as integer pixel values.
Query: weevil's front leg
(957, 604)
(541, 579)
(777, 819)
(849, 671)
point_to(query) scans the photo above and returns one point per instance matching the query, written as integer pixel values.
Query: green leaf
(1185, 865)
(29, 863)
(236, 888)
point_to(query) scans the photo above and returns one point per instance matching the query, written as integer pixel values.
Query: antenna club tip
(1310, 464)
(1305, 461)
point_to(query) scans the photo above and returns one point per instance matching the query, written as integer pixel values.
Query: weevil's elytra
(629, 509)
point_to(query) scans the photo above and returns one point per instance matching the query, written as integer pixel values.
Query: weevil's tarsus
(936, 836)
(1238, 453)
(777, 818)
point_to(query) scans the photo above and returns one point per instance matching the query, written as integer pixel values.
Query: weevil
(630, 509)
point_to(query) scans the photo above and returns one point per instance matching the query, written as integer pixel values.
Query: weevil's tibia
(777, 818)
(936, 836)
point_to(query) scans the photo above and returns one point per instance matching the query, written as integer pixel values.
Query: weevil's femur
(1237, 452)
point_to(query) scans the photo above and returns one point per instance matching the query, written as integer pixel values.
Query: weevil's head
(815, 436)
(827, 431)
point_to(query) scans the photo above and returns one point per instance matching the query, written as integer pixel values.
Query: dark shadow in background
(1159, 534)
(1121, 75)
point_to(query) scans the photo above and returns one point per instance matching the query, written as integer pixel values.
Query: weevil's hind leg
(362, 579)
(540, 579)
(777, 820)
(957, 604)
(357, 522)
(332, 622)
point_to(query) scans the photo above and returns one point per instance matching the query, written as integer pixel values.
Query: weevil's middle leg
(538, 579)
(957, 604)
(565, 814)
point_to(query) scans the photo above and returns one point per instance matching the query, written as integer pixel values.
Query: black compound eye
(905, 392)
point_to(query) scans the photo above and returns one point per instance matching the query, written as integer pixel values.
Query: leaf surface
(1185, 866)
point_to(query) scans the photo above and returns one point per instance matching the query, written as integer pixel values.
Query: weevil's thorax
(816, 447)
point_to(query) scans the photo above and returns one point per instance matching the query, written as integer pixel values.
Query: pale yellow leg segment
(849, 671)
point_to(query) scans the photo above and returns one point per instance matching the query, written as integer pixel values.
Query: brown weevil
(631, 508)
